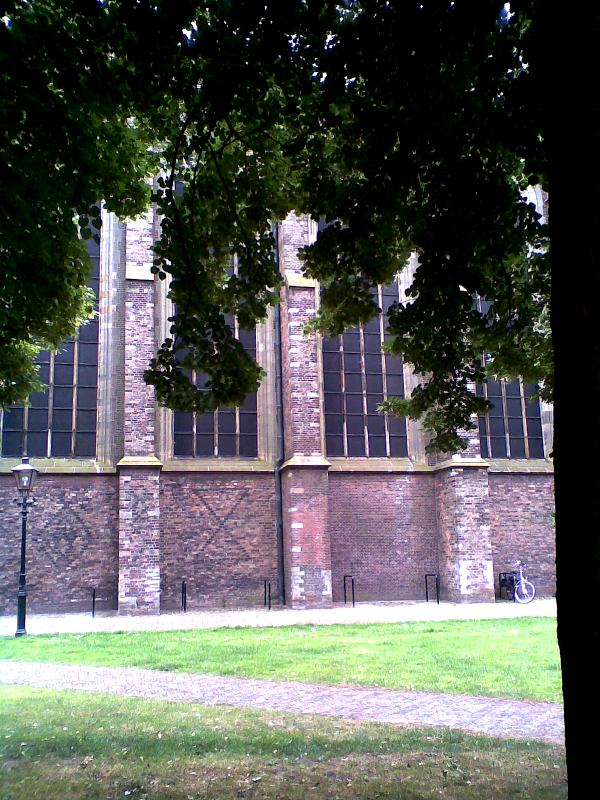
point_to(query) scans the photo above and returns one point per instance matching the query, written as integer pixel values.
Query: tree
(413, 125)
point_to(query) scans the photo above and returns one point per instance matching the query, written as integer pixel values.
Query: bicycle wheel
(524, 591)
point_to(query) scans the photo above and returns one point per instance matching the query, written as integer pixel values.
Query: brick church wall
(383, 532)
(521, 507)
(72, 543)
(217, 534)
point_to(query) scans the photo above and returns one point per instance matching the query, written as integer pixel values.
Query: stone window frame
(265, 404)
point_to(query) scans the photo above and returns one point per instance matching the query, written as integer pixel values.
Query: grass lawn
(504, 658)
(58, 745)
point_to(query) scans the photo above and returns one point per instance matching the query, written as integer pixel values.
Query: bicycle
(523, 589)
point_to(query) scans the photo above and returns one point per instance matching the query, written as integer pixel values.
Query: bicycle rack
(184, 596)
(437, 586)
(267, 600)
(506, 581)
(351, 577)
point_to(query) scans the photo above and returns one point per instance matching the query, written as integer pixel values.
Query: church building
(305, 486)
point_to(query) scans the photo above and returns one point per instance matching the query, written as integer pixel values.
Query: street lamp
(24, 476)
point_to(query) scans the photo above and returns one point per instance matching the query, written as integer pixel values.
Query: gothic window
(357, 376)
(513, 426)
(60, 422)
(226, 432)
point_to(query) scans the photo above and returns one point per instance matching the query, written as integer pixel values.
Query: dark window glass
(85, 445)
(61, 444)
(514, 427)
(377, 446)
(12, 443)
(13, 419)
(334, 444)
(398, 446)
(37, 419)
(248, 445)
(356, 445)
(536, 448)
(46, 426)
(227, 445)
(236, 428)
(205, 445)
(182, 444)
(37, 443)
(354, 361)
(355, 424)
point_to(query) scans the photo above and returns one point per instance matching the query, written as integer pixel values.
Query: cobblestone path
(489, 716)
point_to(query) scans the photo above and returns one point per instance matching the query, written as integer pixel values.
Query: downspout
(280, 453)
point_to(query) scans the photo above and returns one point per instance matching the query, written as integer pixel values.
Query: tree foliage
(408, 126)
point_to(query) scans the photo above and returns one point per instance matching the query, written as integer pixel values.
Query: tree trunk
(571, 69)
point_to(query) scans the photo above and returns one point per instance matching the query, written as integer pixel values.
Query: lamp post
(24, 476)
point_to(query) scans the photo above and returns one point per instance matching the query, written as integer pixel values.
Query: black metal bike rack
(506, 581)
(437, 586)
(184, 595)
(351, 578)
(267, 598)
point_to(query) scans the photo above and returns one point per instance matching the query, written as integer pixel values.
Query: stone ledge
(139, 461)
(298, 281)
(216, 465)
(69, 466)
(523, 465)
(305, 461)
(460, 463)
(377, 465)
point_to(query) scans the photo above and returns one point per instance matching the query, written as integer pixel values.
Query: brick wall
(72, 543)
(306, 536)
(140, 412)
(522, 526)
(383, 532)
(465, 552)
(217, 534)
(139, 541)
(301, 374)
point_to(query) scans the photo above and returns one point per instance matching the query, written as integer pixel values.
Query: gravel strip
(488, 716)
(260, 617)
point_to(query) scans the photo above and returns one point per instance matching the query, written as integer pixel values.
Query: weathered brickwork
(136, 535)
(301, 377)
(72, 543)
(306, 536)
(139, 541)
(521, 507)
(217, 535)
(465, 549)
(139, 424)
(383, 532)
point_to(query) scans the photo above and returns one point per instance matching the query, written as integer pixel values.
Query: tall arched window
(357, 376)
(60, 422)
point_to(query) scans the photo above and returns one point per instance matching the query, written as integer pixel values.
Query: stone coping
(217, 465)
(60, 465)
(335, 465)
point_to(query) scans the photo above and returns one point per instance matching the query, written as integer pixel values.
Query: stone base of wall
(72, 544)
(217, 533)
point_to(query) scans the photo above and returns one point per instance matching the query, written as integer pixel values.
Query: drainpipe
(279, 458)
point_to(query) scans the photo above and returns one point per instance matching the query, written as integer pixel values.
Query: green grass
(59, 745)
(503, 658)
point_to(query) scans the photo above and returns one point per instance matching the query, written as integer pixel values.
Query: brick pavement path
(488, 716)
